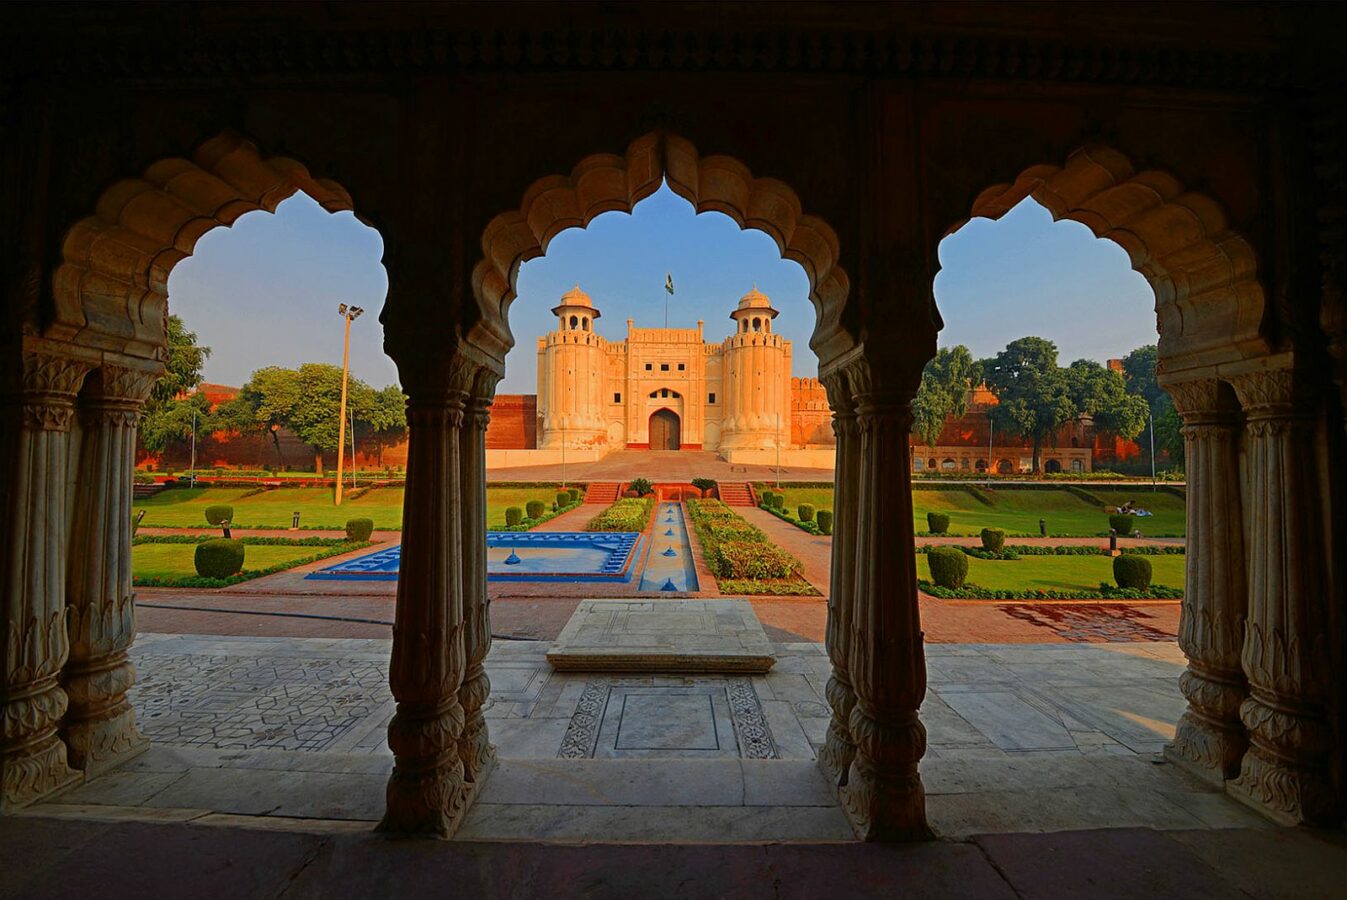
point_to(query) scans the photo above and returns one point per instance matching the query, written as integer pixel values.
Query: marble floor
(1022, 738)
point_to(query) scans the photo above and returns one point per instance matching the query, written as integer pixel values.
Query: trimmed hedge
(219, 513)
(218, 558)
(806, 512)
(1123, 524)
(563, 499)
(938, 523)
(641, 486)
(535, 508)
(993, 539)
(331, 547)
(1132, 572)
(948, 565)
(627, 514)
(573, 493)
(513, 516)
(825, 521)
(1105, 592)
(359, 529)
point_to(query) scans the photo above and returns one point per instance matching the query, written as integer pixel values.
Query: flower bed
(627, 514)
(742, 558)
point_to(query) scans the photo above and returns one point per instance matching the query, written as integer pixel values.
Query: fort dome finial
(576, 297)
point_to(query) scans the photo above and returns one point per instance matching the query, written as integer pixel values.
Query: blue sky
(265, 292)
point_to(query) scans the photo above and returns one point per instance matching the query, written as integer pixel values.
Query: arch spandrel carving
(1209, 306)
(111, 288)
(606, 182)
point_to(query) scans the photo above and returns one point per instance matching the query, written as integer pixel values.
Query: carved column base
(1284, 774)
(836, 754)
(100, 727)
(884, 797)
(426, 792)
(1209, 742)
(33, 762)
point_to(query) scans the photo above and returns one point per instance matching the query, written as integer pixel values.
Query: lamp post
(349, 314)
(193, 446)
(1152, 420)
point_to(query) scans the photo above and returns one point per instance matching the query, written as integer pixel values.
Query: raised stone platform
(721, 636)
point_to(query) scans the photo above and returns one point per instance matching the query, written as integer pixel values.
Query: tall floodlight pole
(193, 446)
(350, 421)
(668, 292)
(349, 314)
(563, 457)
(1152, 450)
(778, 452)
(991, 428)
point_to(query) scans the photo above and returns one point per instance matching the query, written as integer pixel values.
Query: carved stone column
(426, 790)
(1210, 740)
(884, 795)
(838, 748)
(475, 747)
(99, 727)
(33, 762)
(1287, 656)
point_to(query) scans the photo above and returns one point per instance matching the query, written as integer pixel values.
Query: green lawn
(1018, 511)
(175, 560)
(273, 509)
(1029, 573)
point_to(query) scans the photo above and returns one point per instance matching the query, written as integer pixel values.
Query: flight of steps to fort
(602, 492)
(735, 494)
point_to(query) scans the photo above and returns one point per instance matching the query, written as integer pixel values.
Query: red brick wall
(514, 422)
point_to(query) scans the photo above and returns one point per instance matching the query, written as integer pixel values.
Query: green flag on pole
(668, 282)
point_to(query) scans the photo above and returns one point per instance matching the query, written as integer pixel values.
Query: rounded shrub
(949, 566)
(937, 523)
(825, 521)
(805, 512)
(993, 539)
(1123, 524)
(359, 529)
(1131, 571)
(564, 498)
(535, 508)
(513, 516)
(219, 513)
(573, 494)
(218, 558)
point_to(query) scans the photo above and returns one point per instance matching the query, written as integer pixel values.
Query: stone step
(602, 492)
(722, 636)
(735, 494)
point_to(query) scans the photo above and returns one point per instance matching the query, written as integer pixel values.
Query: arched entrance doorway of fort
(664, 430)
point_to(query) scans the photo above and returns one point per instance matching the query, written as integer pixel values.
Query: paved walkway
(657, 465)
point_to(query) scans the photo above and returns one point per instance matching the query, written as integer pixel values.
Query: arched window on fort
(584, 323)
(574, 322)
(757, 324)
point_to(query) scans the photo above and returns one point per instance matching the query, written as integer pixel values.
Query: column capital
(1202, 400)
(122, 385)
(1271, 394)
(50, 383)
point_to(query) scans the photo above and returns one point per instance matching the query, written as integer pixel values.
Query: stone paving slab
(663, 636)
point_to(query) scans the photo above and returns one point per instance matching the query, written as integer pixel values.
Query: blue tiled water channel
(669, 565)
(522, 556)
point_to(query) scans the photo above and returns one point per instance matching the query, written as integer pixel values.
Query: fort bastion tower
(756, 369)
(572, 369)
(668, 388)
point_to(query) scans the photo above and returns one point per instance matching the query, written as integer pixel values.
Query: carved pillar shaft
(1210, 738)
(1286, 654)
(99, 727)
(426, 790)
(475, 746)
(838, 748)
(884, 794)
(33, 761)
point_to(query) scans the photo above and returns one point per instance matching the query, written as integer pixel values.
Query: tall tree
(169, 409)
(1102, 394)
(1139, 375)
(1032, 392)
(307, 401)
(943, 393)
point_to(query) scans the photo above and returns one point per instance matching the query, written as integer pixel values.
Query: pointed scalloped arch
(1209, 303)
(111, 288)
(605, 182)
